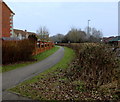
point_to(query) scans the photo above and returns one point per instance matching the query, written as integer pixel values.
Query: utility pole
(88, 27)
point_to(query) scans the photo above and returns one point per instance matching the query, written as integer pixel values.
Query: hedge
(16, 51)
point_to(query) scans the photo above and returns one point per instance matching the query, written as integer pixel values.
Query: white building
(22, 34)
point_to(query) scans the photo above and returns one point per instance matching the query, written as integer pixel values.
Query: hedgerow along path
(23, 89)
(14, 77)
(38, 57)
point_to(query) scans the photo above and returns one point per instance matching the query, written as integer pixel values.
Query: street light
(88, 26)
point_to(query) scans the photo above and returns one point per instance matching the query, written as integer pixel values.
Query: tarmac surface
(15, 77)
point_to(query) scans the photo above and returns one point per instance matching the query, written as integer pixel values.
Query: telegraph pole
(88, 26)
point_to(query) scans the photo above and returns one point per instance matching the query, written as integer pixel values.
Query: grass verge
(66, 83)
(38, 57)
(63, 64)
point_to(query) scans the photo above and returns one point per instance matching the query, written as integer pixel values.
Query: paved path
(14, 77)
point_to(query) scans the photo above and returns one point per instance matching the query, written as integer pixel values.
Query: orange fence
(42, 46)
(22, 50)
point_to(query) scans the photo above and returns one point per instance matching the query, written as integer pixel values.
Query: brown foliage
(15, 51)
(96, 64)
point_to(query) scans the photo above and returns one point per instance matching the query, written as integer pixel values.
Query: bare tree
(43, 33)
(75, 35)
(60, 37)
(94, 35)
(57, 38)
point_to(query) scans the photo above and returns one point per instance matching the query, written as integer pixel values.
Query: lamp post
(88, 26)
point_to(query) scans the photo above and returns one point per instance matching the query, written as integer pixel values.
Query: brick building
(7, 20)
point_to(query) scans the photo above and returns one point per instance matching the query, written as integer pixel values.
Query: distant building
(112, 40)
(9, 38)
(7, 20)
(20, 34)
(115, 40)
(107, 39)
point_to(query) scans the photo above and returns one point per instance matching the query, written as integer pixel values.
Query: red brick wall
(0, 18)
(6, 14)
(42, 49)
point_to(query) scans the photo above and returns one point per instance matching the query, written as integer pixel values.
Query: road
(14, 77)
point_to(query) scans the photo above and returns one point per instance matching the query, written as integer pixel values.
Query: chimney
(25, 30)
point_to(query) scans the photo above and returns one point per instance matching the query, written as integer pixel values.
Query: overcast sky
(59, 17)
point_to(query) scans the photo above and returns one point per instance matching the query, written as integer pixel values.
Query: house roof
(31, 33)
(8, 7)
(107, 39)
(117, 38)
(17, 32)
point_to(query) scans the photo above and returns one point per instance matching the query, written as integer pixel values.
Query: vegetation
(27, 88)
(13, 51)
(93, 75)
(0, 69)
(33, 38)
(97, 61)
(77, 36)
(96, 64)
(37, 58)
(43, 34)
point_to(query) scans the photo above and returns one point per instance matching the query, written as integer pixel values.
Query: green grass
(69, 55)
(39, 57)
(0, 69)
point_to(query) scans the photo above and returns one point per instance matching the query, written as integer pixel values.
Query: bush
(16, 51)
(96, 64)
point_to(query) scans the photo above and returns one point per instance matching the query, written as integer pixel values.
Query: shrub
(96, 64)
(16, 51)
(99, 64)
